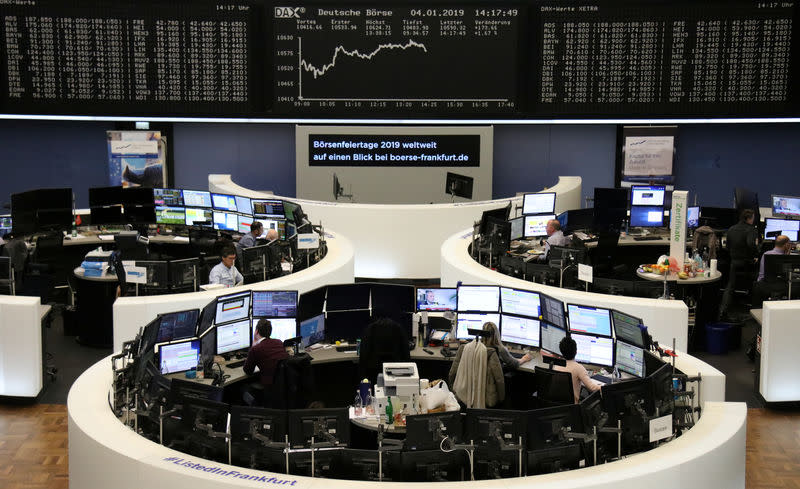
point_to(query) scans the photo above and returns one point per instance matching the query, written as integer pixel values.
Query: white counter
(780, 342)
(665, 319)
(20, 346)
(131, 313)
(104, 453)
(401, 241)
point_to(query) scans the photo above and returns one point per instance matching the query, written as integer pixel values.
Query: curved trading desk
(130, 313)
(105, 453)
(665, 319)
(401, 241)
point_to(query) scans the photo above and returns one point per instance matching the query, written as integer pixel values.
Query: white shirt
(228, 277)
(555, 239)
(579, 376)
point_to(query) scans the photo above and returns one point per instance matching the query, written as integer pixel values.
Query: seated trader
(505, 357)
(764, 290)
(250, 239)
(579, 375)
(225, 272)
(272, 235)
(265, 353)
(555, 237)
(743, 247)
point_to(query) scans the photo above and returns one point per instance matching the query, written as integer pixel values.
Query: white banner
(648, 155)
(677, 226)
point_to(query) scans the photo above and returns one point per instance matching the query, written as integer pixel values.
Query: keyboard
(516, 355)
(341, 348)
(647, 238)
(602, 378)
(236, 364)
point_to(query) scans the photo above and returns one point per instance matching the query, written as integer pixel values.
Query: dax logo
(288, 12)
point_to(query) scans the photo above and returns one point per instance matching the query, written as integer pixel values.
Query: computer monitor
(106, 215)
(346, 325)
(247, 422)
(553, 311)
(157, 272)
(467, 321)
(211, 414)
(232, 307)
(208, 347)
(539, 203)
(630, 359)
(780, 267)
(345, 297)
(594, 350)
(184, 273)
(647, 195)
(718, 217)
(105, 196)
(254, 260)
(268, 209)
(275, 303)
(178, 357)
(494, 427)
(621, 398)
(536, 226)
(458, 185)
(785, 205)
(517, 228)
(436, 299)
(693, 217)
(520, 302)
(170, 197)
(434, 465)
(500, 213)
(177, 325)
(555, 459)
(628, 328)
(311, 303)
(207, 317)
(293, 212)
(549, 427)
(663, 389)
(180, 389)
(588, 319)
(139, 214)
(391, 299)
(575, 220)
(226, 221)
(244, 205)
(278, 225)
(170, 215)
(647, 217)
(478, 298)
(132, 196)
(282, 328)
(244, 223)
(551, 337)
(199, 217)
(426, 431)
(498, 235)
(5, 225)
(196, 198)
(312, 330)
(223, 202)
(324, 425)
(519, 330)
(787, 227)
(233, 336)
(610, 208)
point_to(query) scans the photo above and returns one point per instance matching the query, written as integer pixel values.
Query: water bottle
(389, 411)
(357, 407)
(615, 375)
(369, 403)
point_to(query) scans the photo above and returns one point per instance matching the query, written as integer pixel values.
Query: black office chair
(552, 388)
(7, 279)
(605, 255)
(383, 341)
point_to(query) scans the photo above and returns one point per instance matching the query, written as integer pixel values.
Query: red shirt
(265, 355)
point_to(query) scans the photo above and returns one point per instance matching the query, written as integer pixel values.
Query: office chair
(552, 388)
(7, 278)
(293, 383)
(605, 254)
(383, 341)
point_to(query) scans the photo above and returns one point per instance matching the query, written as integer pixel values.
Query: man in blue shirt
(249, 239)
(225, 272)
(765, 289)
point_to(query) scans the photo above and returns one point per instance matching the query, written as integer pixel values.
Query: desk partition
(20, 346)
(401, 241)
(780, 343)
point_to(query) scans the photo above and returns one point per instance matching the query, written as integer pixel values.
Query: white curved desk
(401, 241)
(665, 319)
(105, 453)
(131, 313)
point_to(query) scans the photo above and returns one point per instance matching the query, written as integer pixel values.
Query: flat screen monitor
(137, 196)
(275, 303)
(519, 330)
(390, 299)
(520, 302)
(587, 319)
(226, 221)
(479, 298)
(718, 217)
(276, 224)
(612, 198)
(539, 203)
(178, 357)
(500, 213)
(282, 328)
(244, 205)
(106, 215)
(305, 424)
(345, 297)
(139, 214)
(223, 202)
(517, 228)
(468, 321)
(168, 197)
(425, 431)
(105, 196)
(436, 299)
(788, 227)
(233, 336)
(536, 226)
(550, 337)
(553, 311)
(630, 359)
(244, 223)
(485, 426)
(346, 325)
(312, 330)
(649, 195)
(268, 209)
(784, 205)
(233, 307)
(199, 217)
(170, 215)
(628, 328)
(693, 217)
(196, 198)
(177, 325)
(5, 225)
(595, 350)
(576, 220)
(647, 217)
(458, 185)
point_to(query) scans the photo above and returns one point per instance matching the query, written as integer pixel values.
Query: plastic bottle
(615, 375)
(389, 411)
(369, 404)
(357, 407)
(358, 347)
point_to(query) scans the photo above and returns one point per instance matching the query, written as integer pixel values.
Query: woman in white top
(579, 375)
